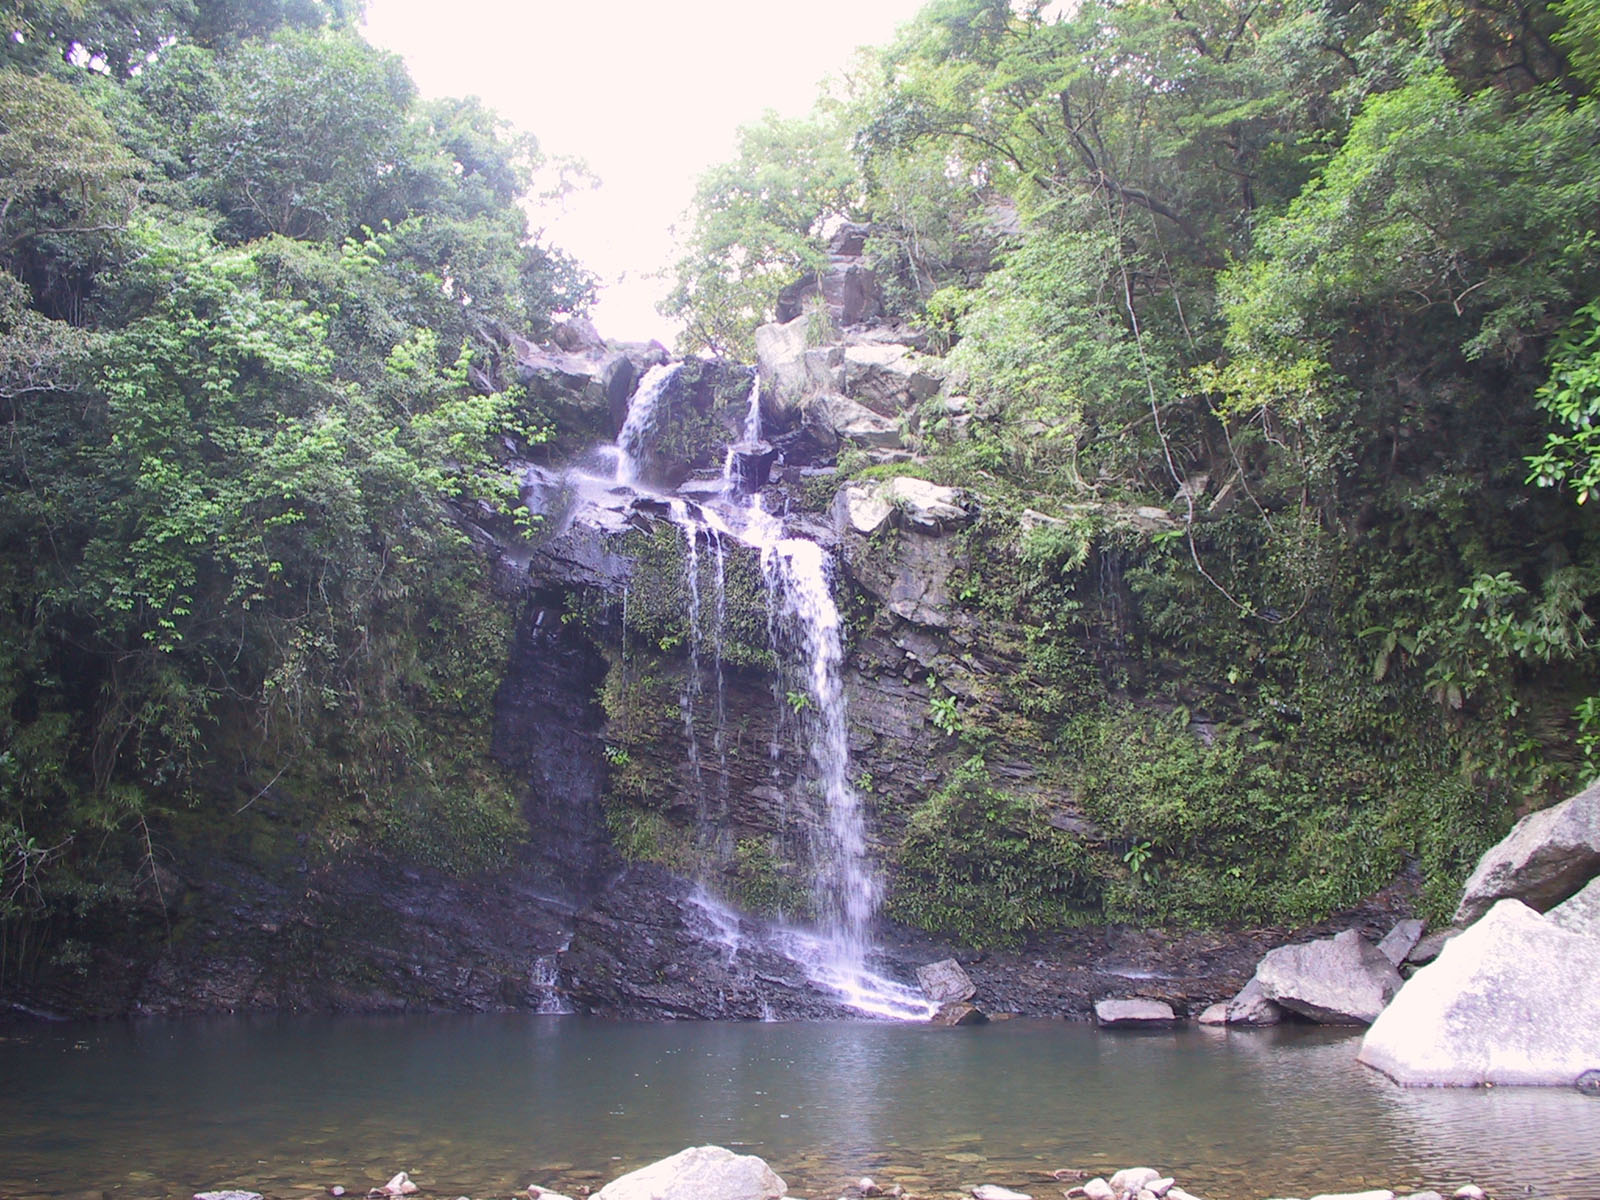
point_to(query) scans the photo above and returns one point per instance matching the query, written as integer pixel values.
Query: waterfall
(752, 416)
(796, 571)
(640, 426)
(805, 631)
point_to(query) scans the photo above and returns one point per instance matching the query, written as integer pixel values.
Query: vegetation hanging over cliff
(1317, 279)
(253, 299)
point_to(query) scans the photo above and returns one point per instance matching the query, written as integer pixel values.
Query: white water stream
(805, 628)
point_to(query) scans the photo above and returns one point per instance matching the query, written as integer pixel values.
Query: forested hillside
(1262, 343)
(253, 297)
(1319, 280)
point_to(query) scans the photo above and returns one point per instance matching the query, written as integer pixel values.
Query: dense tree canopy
(247, 281)
(1319, 279)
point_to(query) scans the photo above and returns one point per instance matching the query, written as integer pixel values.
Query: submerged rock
(1547, 856)
(699, 1173)
(1342, 980)
(1513, 1000)
(991, 1191)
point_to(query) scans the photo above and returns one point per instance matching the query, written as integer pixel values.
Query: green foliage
(753, 226)
(251, 307)
(764, 884)
(1571, 395)
(943, 714)
(985, 867)
(306, 129)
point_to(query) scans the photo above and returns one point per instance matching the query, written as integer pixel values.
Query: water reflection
(485, 1105)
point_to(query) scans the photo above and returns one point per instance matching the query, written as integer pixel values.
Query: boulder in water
(1134, 1011)
(945, 980)
(699, 1173)
(992, 1191)
(1251, 1007)
(1342, 980)
(1547, 856)
(958, 1012)
(1515, 999)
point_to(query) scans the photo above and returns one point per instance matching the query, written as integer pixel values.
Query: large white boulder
(1580, 914)
(925, 505)
(1547, 856)
(1515, 999)
(699, 1173)
(1342, 980)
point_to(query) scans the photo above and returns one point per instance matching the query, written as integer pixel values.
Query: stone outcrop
(944, 981)
(1547, 856)
(1515, 999)
(1342, 980)
(649, 946)
(1401, 940)
(699, 1173)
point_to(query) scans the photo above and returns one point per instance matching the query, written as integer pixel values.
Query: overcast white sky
(648, 92)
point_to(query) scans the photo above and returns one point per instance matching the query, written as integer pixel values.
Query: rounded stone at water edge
(1130, 1181)
(1589, 1082)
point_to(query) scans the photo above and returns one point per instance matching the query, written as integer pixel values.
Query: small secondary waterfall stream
(805, 632)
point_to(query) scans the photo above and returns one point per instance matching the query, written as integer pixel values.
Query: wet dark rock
(751, 466)
(958, 1012)
(646, 948)
(546, 724)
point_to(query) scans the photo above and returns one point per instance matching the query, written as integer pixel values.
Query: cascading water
(640, 425)
(804, 625)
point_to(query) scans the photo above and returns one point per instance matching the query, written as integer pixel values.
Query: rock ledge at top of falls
(1515, 999)
(699, 1173)
(1548, 856)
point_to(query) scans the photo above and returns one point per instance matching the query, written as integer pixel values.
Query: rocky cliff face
(661, 719)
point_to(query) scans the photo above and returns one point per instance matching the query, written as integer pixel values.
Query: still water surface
(482, 1106)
